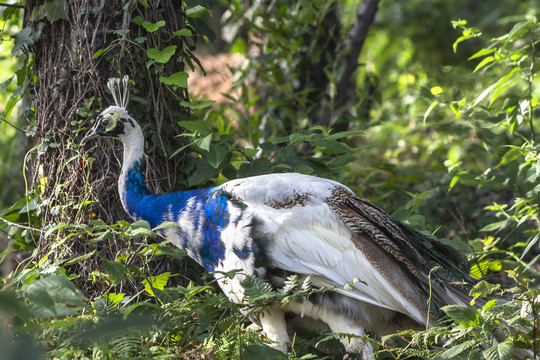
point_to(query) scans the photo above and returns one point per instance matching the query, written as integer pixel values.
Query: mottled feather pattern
(295, 200)
(414, 252)
(364, 218)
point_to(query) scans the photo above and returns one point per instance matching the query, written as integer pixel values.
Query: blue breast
(208, 209)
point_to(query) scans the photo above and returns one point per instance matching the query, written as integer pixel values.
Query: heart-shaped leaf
(162, 56)
(177, 79)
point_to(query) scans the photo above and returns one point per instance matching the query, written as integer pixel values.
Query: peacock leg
(274, 326)
(338, 323)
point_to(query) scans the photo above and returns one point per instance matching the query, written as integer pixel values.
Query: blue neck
(201, 214)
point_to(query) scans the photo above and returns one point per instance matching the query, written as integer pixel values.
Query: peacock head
(115, 121)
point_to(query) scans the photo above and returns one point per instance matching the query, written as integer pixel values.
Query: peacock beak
(92, 133)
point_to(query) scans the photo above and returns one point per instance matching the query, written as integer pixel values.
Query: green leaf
(143, 3)
(250, 152)
(463, 315)
(98, 53)
(489, 305)
(101, 236)
(263, 352)
(204, 143)
(267, 146)
(195, 126)
(481, 52)
(150, 27)
(495, 226)
(305, 169)
(177, 79)
(10, 105)
(140, 224)
(167, 225)
(479, 269)
(430, 109)
(115, 299)
(298, 137)
(121, 32)
(511, 155)
(198, 105)
(216, 155)
(53, 11)
(173, 252)
(24, 39)
(183, 32)
(454, 351)
(203, 172)
(10, 303)
(141, 228)
(179, 150)
(162, 56)
(495, 85)
(4, 85)
(520, 29)
(341, 161)
(483, 63)
(332, 145)
(500, 89)
(115, 270)
(137, 20)
(196, 11)
(454, 181)
(483, 288)
(56, 294)
(156, 282)
(80, 258)
(530, 245)
(140, 232)
(501, 351)
(40, 296)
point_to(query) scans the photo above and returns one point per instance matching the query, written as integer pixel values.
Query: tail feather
(437, 269)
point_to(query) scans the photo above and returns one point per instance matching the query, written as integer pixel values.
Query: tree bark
(69, 92)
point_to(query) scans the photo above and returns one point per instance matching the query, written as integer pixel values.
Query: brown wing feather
(362, 217)
(415, 255)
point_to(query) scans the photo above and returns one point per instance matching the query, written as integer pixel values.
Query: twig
(12, 5)
(530, 94)
(13, 126)
(19, 225)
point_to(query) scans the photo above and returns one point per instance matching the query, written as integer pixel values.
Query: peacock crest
(120, 90)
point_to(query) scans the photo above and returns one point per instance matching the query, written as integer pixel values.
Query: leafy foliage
(433, 138)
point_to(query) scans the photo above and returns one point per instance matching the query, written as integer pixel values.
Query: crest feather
(119, 90)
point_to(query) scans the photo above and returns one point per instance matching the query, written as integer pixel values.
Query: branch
(12, 5)
(19, 225)
(353, 47)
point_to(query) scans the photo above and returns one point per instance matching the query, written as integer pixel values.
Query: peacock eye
(106, 123)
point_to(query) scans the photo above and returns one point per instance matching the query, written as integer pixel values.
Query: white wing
(306, 236)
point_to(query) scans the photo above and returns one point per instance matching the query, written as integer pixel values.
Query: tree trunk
(82, 44)
(349, 63)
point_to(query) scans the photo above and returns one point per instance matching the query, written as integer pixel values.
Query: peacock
(379, 274)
